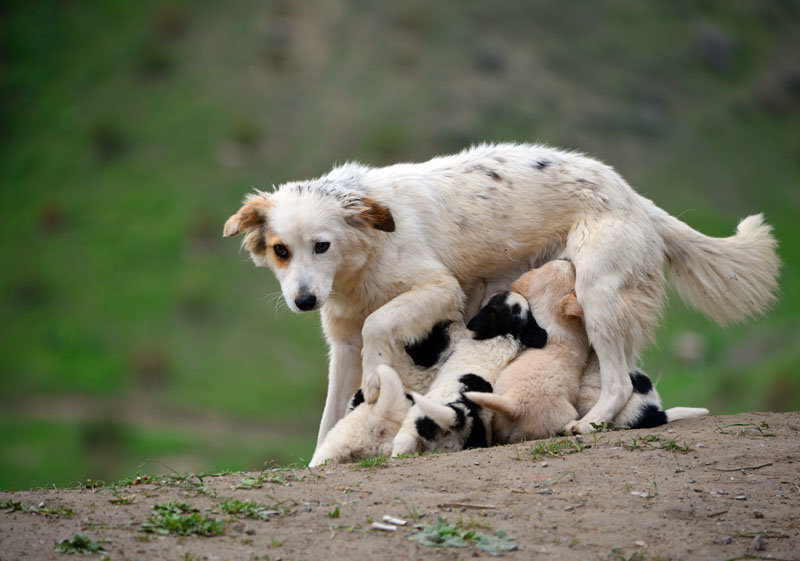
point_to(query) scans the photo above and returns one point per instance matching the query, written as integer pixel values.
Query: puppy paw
(371, 386)
(577, 427)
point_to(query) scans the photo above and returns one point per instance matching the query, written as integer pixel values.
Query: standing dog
(388, 252)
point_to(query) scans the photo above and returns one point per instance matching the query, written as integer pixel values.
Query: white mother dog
(386, 253)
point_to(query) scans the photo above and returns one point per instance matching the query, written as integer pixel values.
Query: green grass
(126, 145)
(443, 534)
(177, 517)
(79, 544)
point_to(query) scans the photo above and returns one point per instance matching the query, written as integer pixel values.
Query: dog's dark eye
(281, 251)
(321, 247)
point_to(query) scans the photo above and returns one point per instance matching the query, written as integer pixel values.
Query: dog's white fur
(408, 241)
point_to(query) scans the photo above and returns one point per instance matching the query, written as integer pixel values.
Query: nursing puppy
(536, 395)
(643, 409)
(367, 429)
(444, 419)
(386, 253)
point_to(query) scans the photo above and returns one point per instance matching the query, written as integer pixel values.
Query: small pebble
(41, 504)
(726, 540)
(639, 543)
(569, 508)
(700, 445)
(758, 544)
(740, 498)
(757, 513)
(545, 491)
(544, 464)
(306, 507)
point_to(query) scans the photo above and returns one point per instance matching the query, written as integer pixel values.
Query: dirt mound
(713, 488)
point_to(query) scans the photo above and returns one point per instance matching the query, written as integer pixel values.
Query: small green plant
(14, 506)
(275, 542)
(443, 534)
(79, 544)
(334, 512)
(378, 461)
(250, 509)
(556, 447)
(183, 519)
(618, 554)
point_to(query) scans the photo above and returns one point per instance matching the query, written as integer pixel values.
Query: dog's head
(309, 234)
(550, 291)
(508, 314)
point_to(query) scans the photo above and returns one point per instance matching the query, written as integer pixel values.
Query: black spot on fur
(533, 335)
(410, 398)
(477, 435)
(475, 383)
(650, 416)
(641, 382)
(541, 164)
(461, 418)
(493, 174)
(427, 351)
(426, 428)
(358, 399)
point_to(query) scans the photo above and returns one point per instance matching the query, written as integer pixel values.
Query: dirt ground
(715, 488)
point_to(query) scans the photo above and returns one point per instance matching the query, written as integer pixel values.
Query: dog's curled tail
(677, 413)
(728, 279)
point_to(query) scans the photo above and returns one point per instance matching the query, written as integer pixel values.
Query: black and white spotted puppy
(443, 419)
(643, 410)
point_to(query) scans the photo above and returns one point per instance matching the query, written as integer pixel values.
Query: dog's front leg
(344, 376)
(404, 319)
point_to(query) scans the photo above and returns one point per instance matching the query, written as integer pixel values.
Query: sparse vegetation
(252, 509)
(11, 505)
(79, 544)
(177, 517)
(378, 461)
(443, 534)
(556, 447)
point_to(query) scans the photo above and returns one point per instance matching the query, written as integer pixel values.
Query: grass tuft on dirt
(443, 534)
(177, 517)
(80, 545)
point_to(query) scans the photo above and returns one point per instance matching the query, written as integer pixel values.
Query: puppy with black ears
(443, 418)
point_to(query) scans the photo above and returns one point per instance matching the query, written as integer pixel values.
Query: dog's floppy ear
(533, 335)
(372, 213)
(253, 214)
(570, 306)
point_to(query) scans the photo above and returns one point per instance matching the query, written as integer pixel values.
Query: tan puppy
(535, 394)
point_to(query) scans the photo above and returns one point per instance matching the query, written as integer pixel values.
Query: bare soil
(715, 488)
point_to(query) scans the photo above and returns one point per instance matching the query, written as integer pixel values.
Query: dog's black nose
(306, 302)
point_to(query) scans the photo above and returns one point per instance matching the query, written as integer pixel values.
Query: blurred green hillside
(130, 131)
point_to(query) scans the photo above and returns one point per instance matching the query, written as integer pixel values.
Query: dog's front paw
(577, 427)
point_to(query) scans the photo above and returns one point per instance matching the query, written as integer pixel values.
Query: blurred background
(132, 336)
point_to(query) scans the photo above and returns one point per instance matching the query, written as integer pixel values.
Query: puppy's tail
(678, 413)
(728, 279)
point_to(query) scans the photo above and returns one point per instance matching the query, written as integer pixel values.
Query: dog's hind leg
(405, 319)
(619, 284)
